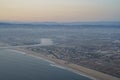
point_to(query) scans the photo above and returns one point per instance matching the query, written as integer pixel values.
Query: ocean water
(16, 66)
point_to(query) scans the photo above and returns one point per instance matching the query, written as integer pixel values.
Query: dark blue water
(16, 66)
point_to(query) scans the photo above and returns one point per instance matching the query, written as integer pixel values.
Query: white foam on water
(66, 68)
(58, 66)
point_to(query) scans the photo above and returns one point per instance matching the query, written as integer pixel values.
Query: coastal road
(33, 45)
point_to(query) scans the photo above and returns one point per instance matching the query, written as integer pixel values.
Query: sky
(60, 10)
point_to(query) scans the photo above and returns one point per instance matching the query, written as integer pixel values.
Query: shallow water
(16, 66)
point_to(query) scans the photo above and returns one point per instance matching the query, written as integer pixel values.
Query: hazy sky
(60, 10)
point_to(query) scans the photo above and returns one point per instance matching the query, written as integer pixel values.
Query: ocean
(16, 66)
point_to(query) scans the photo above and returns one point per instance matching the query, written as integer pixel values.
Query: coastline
(92, 74)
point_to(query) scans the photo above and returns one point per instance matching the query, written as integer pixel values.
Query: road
(33, 45)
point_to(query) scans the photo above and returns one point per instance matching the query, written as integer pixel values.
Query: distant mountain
(64, 24)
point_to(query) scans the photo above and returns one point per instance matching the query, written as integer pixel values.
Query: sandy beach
(93, 74)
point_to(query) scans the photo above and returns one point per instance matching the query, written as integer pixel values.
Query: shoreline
(86, 72)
